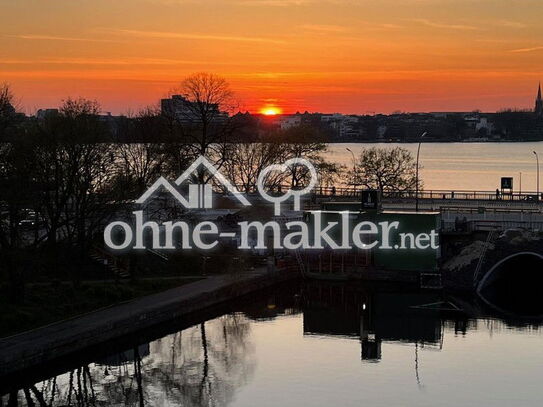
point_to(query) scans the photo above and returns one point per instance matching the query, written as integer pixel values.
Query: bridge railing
(483, 225)
(435, 194)
(488, 209)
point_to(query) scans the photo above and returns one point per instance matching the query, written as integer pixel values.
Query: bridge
(435, 195)
(461, 210)
(512, 285)
(530, 199)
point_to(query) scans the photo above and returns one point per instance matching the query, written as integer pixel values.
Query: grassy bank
(47, 303)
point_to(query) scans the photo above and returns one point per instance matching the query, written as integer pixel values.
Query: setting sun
(270, 110)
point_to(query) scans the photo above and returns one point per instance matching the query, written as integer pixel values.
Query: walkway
(45, 344)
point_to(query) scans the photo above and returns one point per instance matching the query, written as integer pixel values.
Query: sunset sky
(349, 56)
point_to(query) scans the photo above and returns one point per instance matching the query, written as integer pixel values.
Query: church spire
(538, 110)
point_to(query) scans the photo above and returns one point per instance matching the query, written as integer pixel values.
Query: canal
(312, 344)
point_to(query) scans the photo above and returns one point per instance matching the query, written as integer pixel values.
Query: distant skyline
(346, 56)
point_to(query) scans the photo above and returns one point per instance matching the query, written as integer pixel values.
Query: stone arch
(514, 284)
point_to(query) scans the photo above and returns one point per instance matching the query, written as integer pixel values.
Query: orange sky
(349, 56)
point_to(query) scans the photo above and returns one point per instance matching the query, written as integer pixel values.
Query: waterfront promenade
(38, 347)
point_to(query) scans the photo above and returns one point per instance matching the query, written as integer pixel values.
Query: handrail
(488, 210)
(431, 193)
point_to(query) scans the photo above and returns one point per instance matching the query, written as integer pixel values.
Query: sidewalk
(42, 345)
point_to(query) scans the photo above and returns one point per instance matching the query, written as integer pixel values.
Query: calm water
(456, 166)
(319, 345)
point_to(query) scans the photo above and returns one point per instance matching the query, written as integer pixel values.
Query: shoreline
(22, 352)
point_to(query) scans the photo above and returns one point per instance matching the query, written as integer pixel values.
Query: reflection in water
(199, 366)
(373, 317)
(291, 334)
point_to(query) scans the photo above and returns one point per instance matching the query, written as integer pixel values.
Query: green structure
(399, 241)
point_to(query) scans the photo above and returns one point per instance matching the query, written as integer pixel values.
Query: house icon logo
(199, 195)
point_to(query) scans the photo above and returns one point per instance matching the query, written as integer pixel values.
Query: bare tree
(19, 196)
(386, 169)
(202, 113)
(151, 144)
(8, 109)
(138, 165)
(306, 142)
(247, 160)
(73, 168)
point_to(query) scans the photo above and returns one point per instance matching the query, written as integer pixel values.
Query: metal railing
(481, 225)
(488, 210)
(435, 194)
(408, 195)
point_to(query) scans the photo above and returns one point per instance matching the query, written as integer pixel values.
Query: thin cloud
(370, 25)
(268, 3)
(511, 24)
(324, 28)
(186, 36)
(280, 3)
(497, 40)
(56, 38)
(275, 3)
(532, 49)
(388, 25)
(14, 61)
(445, 26)
(109, 61)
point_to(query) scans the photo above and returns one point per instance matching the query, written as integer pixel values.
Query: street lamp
(354, 168)
(354, 159)
(417, 174)
(537, 161)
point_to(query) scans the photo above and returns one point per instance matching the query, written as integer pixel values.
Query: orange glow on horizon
(279, 56)
(270, 111)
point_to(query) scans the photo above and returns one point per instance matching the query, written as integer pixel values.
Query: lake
(318, 344)
(457, 166)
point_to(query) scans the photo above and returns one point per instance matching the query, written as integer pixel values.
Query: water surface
(457, 166)
(320, 344)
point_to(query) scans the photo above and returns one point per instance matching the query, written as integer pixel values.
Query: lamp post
(537, 162)
(417, 174)
(354, 167)
(354, 159)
